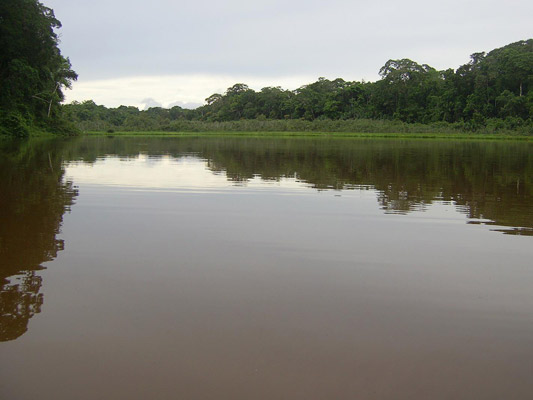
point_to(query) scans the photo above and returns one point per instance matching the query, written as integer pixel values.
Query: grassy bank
(398, 135)
(317, 127)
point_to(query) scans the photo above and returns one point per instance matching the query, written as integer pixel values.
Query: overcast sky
(166, 52)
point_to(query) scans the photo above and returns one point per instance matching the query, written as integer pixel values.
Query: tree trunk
(51, 99)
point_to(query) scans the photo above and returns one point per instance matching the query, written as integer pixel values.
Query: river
(266, 268)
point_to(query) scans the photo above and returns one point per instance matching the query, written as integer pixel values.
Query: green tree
(406, 89)
(32, 70)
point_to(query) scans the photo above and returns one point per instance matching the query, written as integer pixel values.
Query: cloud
(170, 90)
(110, 40)
(182, 104)
(149, 103)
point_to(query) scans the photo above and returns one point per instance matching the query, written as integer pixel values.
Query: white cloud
(182, 104)
(171, 90)
(149, 103)
(210, 40)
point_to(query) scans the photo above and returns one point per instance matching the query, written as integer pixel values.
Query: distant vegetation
(490, 94)
(32, 70)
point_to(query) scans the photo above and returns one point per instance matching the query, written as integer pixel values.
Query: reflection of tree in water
(33, 199)
(19, 301)
(485, 180)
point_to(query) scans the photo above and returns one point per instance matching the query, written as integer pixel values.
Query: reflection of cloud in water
(191, 173)
(166, 172)
(405, 177)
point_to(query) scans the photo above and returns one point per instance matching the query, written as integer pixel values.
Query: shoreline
(303, 134)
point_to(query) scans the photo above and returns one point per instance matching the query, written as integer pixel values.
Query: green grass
(398, 135)
(290, 127)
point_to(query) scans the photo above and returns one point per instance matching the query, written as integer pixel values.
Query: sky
(174, 52)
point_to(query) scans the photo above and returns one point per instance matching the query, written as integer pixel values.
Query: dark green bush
(14, 125)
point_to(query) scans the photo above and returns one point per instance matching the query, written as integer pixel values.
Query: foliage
(32, 70)
(12, 124)
(491, 93)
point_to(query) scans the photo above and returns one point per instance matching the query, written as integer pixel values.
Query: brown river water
(262, 268)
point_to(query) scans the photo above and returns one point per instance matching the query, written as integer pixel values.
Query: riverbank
(397, 135)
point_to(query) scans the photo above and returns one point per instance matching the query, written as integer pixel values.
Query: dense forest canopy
(491, 90)
(32, 69)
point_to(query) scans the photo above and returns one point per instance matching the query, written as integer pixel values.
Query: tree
(406, 89)
(32, 70)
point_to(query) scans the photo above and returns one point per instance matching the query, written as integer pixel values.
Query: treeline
(32, 70)
(490, 93)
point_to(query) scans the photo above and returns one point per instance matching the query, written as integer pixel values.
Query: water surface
(208, 268)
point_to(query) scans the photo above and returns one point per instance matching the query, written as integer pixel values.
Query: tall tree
(32, 70)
